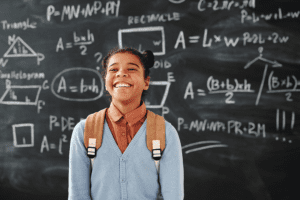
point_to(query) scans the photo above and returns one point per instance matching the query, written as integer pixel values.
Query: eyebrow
(127, 63)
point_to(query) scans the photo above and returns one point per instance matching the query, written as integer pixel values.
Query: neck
(126, 106)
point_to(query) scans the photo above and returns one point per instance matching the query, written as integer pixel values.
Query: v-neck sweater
(125, 127)
(128, 176)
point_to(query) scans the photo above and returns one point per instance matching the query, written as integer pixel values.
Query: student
(123, 167)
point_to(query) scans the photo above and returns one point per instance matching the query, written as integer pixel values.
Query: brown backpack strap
(155, 130)
(94, 128)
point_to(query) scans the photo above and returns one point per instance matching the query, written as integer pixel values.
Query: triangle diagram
(19, 49)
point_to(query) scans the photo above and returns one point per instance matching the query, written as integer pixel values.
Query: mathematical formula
(253, 17)
(246, 39)
(109, 8)
(231, 126)
(216, 5)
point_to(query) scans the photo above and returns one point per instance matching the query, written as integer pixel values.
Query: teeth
(122, 85)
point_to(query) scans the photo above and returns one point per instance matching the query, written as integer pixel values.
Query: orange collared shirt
(124, 128)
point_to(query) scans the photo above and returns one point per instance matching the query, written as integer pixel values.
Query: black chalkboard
(226, 75)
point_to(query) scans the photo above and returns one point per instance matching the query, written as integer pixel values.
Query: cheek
(108, 80)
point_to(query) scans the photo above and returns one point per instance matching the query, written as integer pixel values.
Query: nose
(122, 73)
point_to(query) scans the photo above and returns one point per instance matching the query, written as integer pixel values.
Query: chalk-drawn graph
(23, 135)
(157, 88)
(144, 38)
(19, 48)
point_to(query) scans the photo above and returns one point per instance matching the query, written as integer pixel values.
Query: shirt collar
(132, 117)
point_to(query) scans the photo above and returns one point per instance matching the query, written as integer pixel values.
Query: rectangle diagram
(144, 38)
(23, 135)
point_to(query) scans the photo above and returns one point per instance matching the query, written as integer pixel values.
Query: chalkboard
(226, 76)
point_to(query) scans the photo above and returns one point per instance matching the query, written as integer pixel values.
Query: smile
(122, 86)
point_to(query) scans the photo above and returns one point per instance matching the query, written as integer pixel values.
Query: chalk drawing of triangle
(19, 48)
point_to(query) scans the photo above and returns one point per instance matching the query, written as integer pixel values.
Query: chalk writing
(216, 5)
(20, 94)
(3, 62)
(18, 25)
(284, 124)
(143, 19)
(231, 126)
(260, 39)
(253, 17)
(69, 85)
(110, 8)
(286, 84)
(177, 1)
(137, 37)
(45, 144)
(23, 135)
(21, 49)
(215, 86)
(165, 64)
(229, 87)
(205, 145)
(22, 75)
(246, 38)
(218, 86)
(156, 85)
(66, 123)
(82, 41)
(274, 64)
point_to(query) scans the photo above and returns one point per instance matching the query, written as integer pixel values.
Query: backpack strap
(155, 131)
(156, 141)
(93, 132)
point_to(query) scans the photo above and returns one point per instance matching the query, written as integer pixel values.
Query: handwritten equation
(276, 84)
(78, 40)
(71, 11)
(71, 86)
(216, 5)
(244, 40)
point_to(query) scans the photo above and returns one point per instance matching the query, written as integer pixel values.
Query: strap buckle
(91, 150)
(156, 154)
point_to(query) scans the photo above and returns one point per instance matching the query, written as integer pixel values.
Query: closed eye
(132, 69)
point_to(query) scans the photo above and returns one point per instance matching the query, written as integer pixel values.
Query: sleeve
(171, 166)
(79, 166)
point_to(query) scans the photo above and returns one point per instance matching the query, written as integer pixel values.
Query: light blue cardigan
(128, 176)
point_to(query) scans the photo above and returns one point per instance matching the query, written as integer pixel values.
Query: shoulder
(82, 123)
(171, 133)
(173, 142)
(170, 129)
(79, 128)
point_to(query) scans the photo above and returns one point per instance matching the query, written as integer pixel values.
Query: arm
(171, 166)
(79, 166)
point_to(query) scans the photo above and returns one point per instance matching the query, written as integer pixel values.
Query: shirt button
(123, 133)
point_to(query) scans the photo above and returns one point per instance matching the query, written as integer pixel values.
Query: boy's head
(127, 66)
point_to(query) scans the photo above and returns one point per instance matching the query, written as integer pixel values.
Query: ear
(147, 82)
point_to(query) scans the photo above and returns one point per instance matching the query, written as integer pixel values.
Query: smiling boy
(123, 166)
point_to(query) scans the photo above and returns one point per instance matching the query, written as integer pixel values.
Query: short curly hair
(144, 58)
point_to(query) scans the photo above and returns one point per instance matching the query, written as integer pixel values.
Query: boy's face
(125, 68)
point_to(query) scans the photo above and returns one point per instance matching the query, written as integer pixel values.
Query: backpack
(155, 130)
